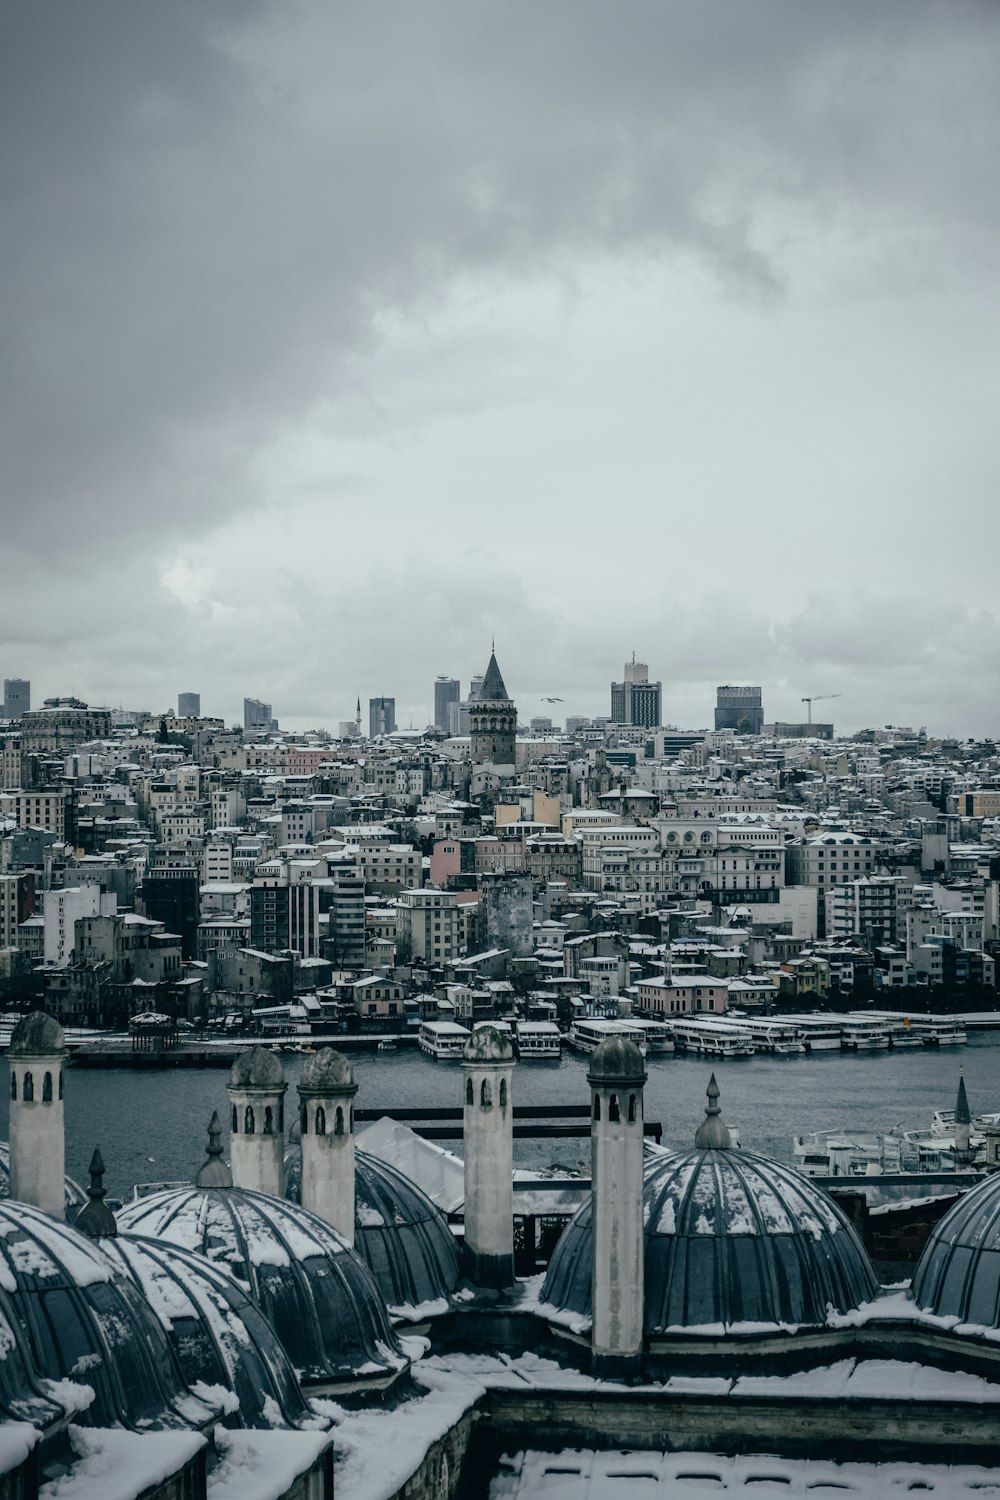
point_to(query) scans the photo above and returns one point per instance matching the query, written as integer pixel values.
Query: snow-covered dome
(730, 1238)
(22, 1398)
(37, 1035)
(257, 1069)
(218, 1336)
(314, 1290)
(402, 1235)
(75, 1195)
(958, 1275)
(85, 1321)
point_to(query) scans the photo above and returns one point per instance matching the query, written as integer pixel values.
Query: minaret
(487, 1066)
(616, 1077)
(358, 718)
(963, 1126)
(326, 1121)
(257, 1142)
(37, 1127)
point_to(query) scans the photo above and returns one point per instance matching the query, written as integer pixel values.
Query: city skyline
(718, 285)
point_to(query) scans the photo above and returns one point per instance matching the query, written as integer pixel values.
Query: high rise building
(16, 697)
(189, 705)
(381, 717)
(256, 715)
(739, 708)
(475, 687)
(636, 700)
(493, 721)
(447, 690)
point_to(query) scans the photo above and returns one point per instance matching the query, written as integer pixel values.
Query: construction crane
(819, 698)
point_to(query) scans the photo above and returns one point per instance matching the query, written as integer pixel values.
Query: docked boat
(863, 1034)
(538, 1041)
(444, 1040)
(818, 1033)
(782, 1037)
(659, 1037)
(710, 1038)
(587, 1034)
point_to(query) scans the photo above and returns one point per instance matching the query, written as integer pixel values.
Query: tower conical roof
(493, 690)
(963, 1115)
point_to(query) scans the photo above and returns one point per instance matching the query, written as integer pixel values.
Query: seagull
(552, 700)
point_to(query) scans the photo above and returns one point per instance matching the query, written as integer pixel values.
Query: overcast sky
(338, 339)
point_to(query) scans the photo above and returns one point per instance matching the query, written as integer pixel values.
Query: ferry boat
(659, 1037)
(443, 1039)
(943, 1031)
(538, 1040)
(711, 1038)
(863, 1034)
(782, 1037)
(818, 1033)
(587, 1034)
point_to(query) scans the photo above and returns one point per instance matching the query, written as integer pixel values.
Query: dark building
(493, 721)
(636, 700)
(16, 697)
(171, 895)
(740, 709)
(381, 717)
(447, 690)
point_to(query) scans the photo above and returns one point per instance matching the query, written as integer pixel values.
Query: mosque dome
(400, 1233)
(958, 1275)
(75, 1195)
(315, 1291)
(730, 1238)
(217, 1334)
(85, 1321)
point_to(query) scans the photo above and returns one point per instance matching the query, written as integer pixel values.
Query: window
(248, 1120)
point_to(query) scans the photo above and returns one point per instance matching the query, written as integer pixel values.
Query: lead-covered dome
(218, 1336)
(37, 1035)
(402, 1235)
(315, 1291)
(958, 1275)
(257, 1068)
(85, 1321)
(730, 1238)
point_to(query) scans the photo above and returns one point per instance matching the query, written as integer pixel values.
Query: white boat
(943, 1031)
(659, 1037)
(587, 1034)
(538, 1040)
(862, 1034)
(711, 1038)
(818, 1033)
(443, 1039)
(781, 1037)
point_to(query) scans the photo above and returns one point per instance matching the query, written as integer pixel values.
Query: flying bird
(552, 700)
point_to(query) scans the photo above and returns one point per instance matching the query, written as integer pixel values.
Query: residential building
(61, 725)
(428, 925)
(17, 903)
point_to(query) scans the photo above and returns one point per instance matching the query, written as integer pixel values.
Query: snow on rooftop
(121, 1465)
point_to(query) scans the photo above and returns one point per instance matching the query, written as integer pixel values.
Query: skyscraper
(381, 717)
(16, 697)
(189, 705)
(636, 700)
(256, 715)
(739, 708)
(447, 690)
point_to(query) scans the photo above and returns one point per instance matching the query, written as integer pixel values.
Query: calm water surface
(153, 1125)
